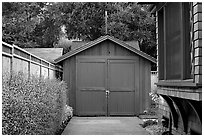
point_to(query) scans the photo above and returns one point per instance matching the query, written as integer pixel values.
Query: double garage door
(105, 87)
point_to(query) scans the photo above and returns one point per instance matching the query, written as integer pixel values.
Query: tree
(18, 21)
(126, 21)
(84, 20)
(30, 24)
(34, 24)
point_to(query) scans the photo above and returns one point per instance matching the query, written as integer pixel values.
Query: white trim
(6, 54)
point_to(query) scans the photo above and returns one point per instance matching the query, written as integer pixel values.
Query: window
(174, 41)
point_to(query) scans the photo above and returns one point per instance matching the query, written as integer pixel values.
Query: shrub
(154, 104)
(68, 112)
(32, 106)
(154, 97)
(67, 115)
(149, 123)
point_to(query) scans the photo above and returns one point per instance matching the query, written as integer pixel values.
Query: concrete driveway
(105, 126)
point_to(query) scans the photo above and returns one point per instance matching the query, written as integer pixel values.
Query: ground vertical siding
(69, 76)
(144, 84)
(137, 86)
(106, 48)
(65, 76)
(197, 31)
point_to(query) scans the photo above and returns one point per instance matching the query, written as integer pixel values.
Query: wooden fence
(15, 59)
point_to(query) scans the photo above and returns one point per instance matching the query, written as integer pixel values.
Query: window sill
(179, 83)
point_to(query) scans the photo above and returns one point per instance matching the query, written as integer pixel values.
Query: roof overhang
(99, 40)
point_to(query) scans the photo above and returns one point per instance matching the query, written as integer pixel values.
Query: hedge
(33, 106)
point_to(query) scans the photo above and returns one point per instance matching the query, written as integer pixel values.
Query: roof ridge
(100, 39)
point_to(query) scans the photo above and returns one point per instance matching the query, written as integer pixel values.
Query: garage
(107, 77)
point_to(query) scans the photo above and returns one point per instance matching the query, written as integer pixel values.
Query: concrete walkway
(104, 126)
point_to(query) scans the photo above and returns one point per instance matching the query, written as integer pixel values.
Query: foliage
(126, 21)
(157, 130)
(65, 44)
(30, 24)
(31, 106)
(39, 24)
(133, 22)
(155, 97)
(148, 123)
(84, 20)
(154, 104)
(68, 112)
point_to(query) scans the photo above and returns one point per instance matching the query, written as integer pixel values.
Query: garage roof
(99, 40)
(77, 44)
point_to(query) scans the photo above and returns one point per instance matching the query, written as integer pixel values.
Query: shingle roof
(133, 44)
(77, 44)
(99, 40)
(49, 54)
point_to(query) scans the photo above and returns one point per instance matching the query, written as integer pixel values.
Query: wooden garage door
(121, 99)
(97, 76)
(91, 86)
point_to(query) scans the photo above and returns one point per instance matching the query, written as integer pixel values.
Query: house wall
(110, 49)
(197, 40)
(144, 84)
(186, 93)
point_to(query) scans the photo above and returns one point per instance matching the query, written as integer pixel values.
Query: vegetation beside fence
(33, 106)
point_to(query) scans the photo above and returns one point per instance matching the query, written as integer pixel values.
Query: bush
(32, 106)
(68, 113)
(149, 123)
(154, 104)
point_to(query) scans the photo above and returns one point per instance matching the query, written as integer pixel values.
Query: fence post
(49, 71)
(13, 55)
(12, 60)
(29, 74)
(40, 68)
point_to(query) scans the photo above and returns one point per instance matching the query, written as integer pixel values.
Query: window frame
(185, 74)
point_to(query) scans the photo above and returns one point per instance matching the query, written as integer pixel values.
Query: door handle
(107, 93)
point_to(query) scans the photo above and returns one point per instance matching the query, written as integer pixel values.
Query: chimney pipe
(106, 22)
